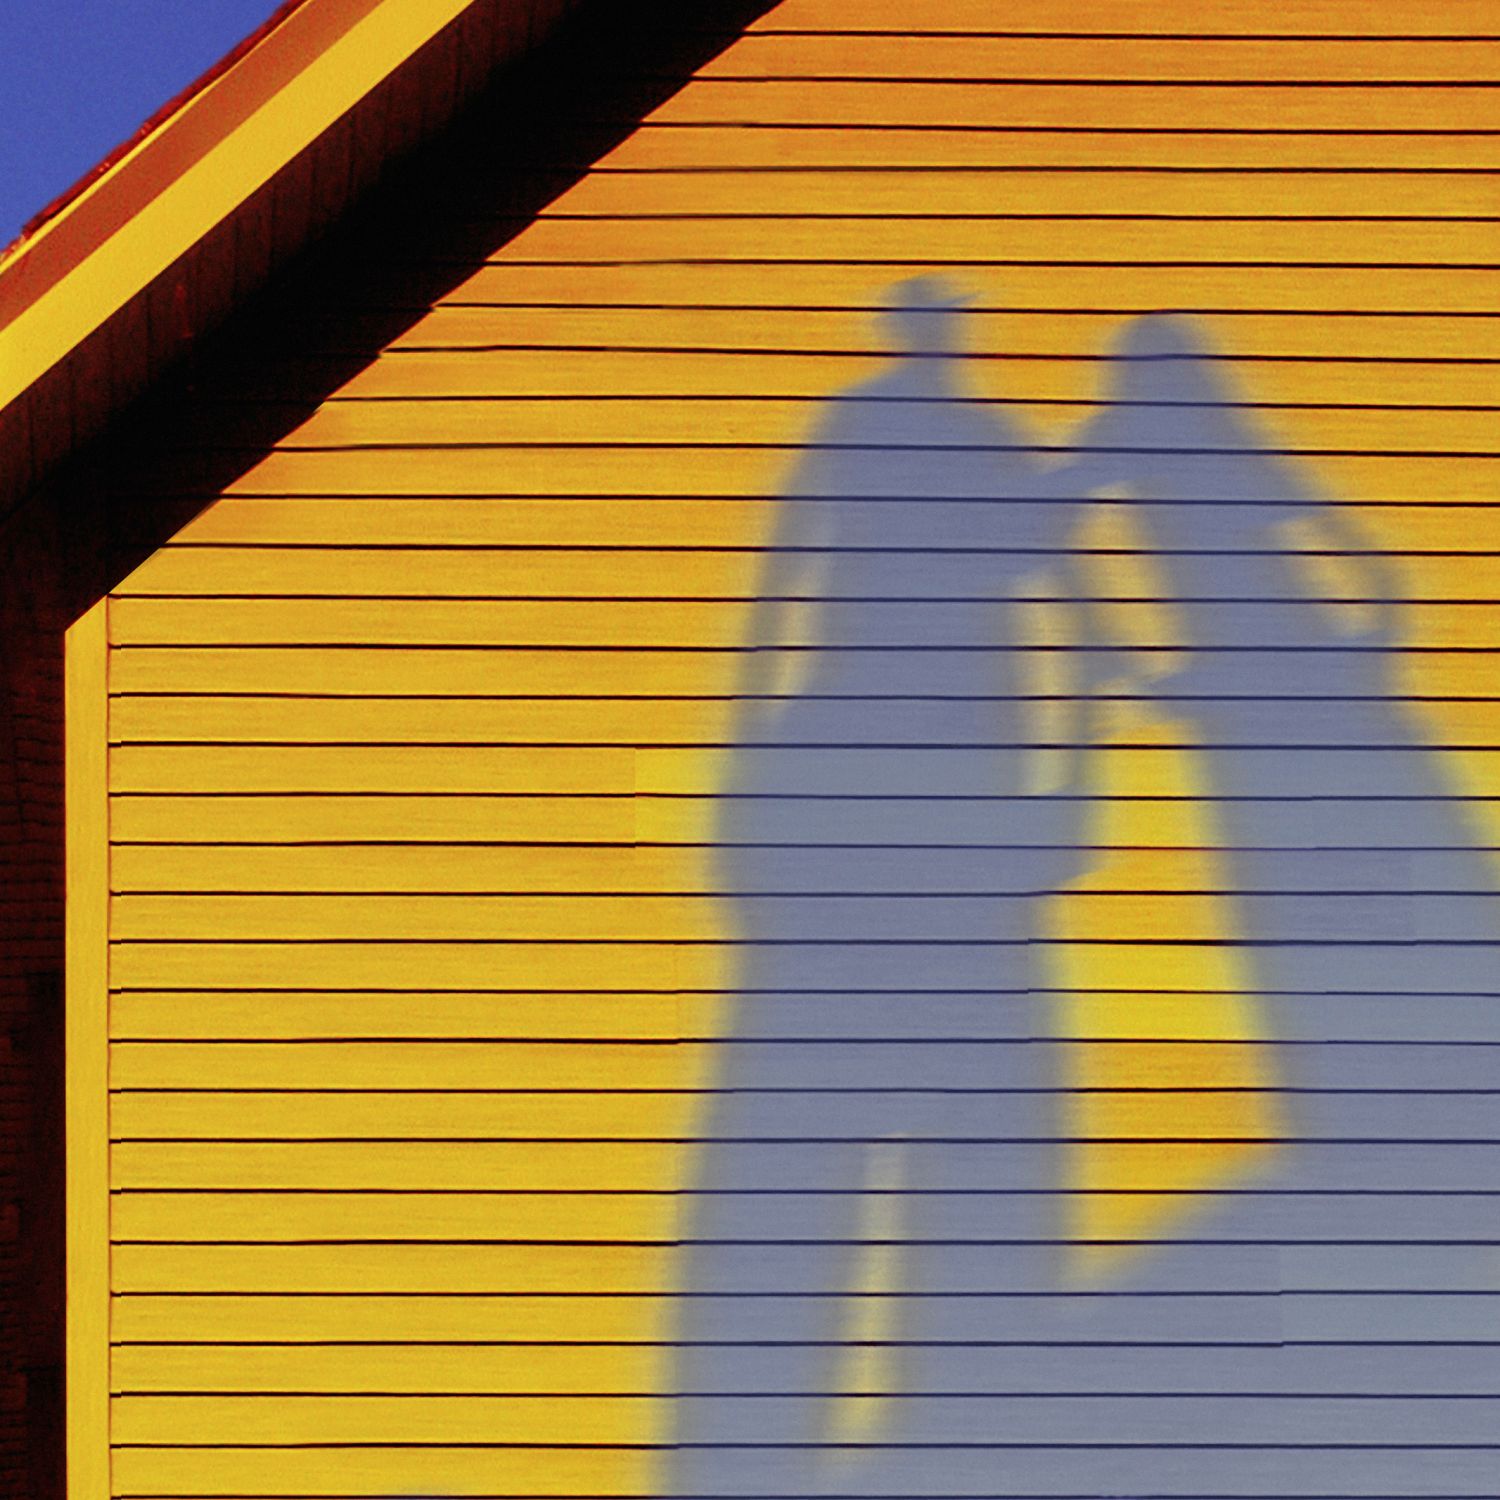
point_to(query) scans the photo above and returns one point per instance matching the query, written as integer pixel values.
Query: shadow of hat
(926, 294)
(1165, 336)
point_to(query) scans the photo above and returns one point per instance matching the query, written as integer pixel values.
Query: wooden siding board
(1007, 61)
(368, 155)
(292, 211)
(443, 91)
(91, 381)
(1328, 19)
(87, 999)
(215, 278)
(15, 445)
(330, 176)
(170, 315)
(404, 112)
(52, 431)
(508, 34)
(1194, 147)
(473, 51)
(1379, 106)
(252, 229)
(127, 351)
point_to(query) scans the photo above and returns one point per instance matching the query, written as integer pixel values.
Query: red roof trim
(67, 232)
(44, 215)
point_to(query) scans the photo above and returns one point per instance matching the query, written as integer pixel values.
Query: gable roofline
(231, 179)
(141, 136)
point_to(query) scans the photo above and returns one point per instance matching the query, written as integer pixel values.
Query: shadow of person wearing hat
(891, 817)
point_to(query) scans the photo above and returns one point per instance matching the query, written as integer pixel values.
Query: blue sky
(77, 77)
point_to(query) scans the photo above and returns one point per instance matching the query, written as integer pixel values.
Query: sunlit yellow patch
(867, 1374)
(1150, 1019)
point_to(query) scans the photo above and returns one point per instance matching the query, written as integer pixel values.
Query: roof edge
(279, 99)
(148, 127)
(60, 238)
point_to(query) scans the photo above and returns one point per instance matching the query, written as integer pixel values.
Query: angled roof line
(174, 105)
(140, 223)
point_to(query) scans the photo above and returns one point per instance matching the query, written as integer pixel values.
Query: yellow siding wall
(404, 741)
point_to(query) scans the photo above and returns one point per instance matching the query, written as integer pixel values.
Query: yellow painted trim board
(214, 186)
(87, 1042)
(69, 230)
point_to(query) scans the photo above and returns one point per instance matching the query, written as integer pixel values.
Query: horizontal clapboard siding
(423, 959)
